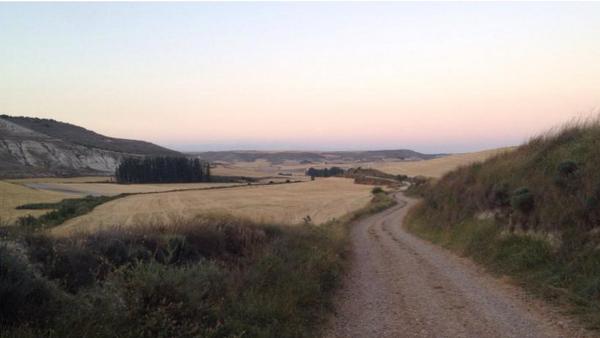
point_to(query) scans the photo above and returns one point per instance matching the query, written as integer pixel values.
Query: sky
(433, 77)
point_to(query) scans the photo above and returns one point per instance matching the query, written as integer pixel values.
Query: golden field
(432, 168)
(436, 167)
(258, 169)
(79, 179)
(112, 189)
(268, 203)
(322, 200)
(13, 195)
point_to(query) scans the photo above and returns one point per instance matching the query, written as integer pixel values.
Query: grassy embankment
(215, 276)
(532, 213)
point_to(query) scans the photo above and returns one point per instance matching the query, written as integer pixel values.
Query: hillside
(532, 213)
(278, 157)
(42, 147)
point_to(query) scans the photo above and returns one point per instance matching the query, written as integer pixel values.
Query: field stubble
(322, 200)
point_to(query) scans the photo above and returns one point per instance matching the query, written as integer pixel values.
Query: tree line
(325, 172)
(162, 170)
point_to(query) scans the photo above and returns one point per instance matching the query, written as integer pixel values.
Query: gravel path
(402, 286)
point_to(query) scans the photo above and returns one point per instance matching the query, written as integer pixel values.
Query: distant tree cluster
(325, 172)
(162, 170)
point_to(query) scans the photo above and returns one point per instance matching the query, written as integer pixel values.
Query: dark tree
(325, 172)
(162, 170)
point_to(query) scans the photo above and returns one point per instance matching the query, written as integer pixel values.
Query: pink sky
(445, 77)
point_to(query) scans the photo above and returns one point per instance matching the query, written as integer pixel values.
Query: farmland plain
(436, 167)
(13, 195)
(264, 201)
(322, 200)
(112, 189)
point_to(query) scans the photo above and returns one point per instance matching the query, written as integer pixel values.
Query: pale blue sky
(436, 77)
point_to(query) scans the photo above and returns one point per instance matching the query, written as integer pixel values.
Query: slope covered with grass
(532, 213)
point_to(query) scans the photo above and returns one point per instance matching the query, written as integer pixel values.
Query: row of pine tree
(325, 172)
(162, 170)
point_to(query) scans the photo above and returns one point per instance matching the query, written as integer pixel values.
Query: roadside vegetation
(532, 213)
(213, 276)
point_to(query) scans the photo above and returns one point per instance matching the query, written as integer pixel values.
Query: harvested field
(432, 168)
(436, 167)
(112, 189)
(80, 179)
(13, 195)
(256, 169)
(322, 199)
(234, 170)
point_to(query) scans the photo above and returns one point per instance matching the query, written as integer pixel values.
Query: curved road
(402, 286)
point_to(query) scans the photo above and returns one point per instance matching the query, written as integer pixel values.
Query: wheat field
(78, 179)
(249, 201)
(432, 168)
(256, 169)
(436, 167)
(322, 200)
(112, 189)
(13, 195)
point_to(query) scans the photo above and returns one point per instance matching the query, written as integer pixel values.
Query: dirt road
(402, 286)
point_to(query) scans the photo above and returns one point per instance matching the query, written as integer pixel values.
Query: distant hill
(307, 157)
(44, 147)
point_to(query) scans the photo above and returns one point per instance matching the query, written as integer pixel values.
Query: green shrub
(75, 267)
(24, 296)
(419, 186)
(166, 301)
(522, 200)
(26, 221)
(567, 177)
(499, 195)
(376, 190)
(567, 168)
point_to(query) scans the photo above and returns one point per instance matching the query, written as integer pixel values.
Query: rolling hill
(43, 147)
(278, 157)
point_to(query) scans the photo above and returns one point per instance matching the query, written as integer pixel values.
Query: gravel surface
(402, 286)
